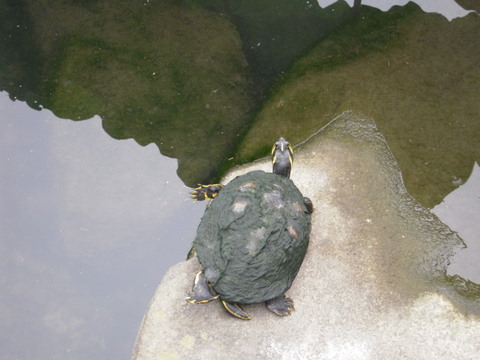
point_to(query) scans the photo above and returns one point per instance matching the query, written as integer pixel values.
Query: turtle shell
(253, 237)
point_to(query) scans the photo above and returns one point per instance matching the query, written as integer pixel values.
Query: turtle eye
(274, 147)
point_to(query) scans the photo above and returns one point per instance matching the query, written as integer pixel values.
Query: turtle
(252, 238)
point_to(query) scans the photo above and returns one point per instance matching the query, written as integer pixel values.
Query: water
(459, 210)
(90, 224)
(447, 8)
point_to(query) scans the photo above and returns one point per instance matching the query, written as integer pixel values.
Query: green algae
(183, 75)
(416, 74)
(275, 34)
(163, 72)
(214, 83)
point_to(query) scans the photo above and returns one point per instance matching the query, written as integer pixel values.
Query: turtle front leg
(206, 192)
(236, 310)
(281, 305)
(202, 291)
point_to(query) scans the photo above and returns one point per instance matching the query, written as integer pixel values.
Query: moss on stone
(416, 74)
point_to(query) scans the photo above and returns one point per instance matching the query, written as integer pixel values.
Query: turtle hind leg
(281, 305)
(308, 204)
(206, 192)
(202, 292)
(236, 310)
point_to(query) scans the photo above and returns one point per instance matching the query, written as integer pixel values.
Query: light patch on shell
(256, 241)
(298, 207)
(293, 232)
(239, 207)
(278, 186)
(274, 199)
(248, 186)
(212, 274)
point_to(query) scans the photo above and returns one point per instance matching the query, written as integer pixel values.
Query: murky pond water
(89, 222)
(89, 225)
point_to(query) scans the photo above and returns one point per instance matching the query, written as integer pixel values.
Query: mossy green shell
(253, 237)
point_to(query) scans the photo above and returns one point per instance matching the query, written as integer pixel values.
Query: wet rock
(373, 283)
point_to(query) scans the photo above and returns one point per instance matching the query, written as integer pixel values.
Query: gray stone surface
(372, 285)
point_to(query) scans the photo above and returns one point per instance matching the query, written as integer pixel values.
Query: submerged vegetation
(212, 83)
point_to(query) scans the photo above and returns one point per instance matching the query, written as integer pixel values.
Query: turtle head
(282, 157)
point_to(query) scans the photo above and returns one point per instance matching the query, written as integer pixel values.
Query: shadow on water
(212, 84)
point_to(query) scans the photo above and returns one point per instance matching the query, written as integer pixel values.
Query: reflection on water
(171, 73)
(448, 8)
(88, 226)
(460, 211)
(161, 72)
(203, 81)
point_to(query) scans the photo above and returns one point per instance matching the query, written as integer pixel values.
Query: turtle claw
(206, 192)
(202, 292)
(281, 305)
(193, 299)
(236, 311)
